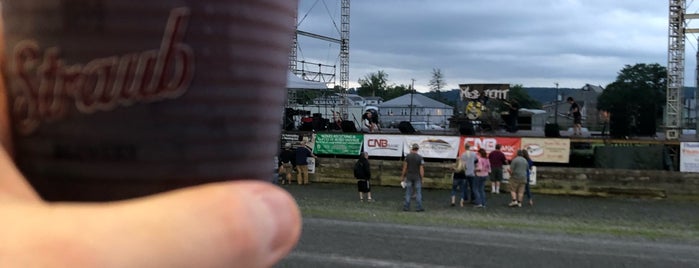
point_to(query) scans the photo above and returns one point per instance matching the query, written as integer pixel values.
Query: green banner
(340, 144)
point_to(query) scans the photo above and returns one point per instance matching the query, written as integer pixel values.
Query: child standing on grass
(362, 172)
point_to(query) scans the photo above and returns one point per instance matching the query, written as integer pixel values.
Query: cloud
(533, 43)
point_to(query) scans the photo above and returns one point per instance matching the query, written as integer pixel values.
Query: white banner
(547, 150)
(532, 176)
(383, 145)
(689, 157)
(445, 147)
(311, 165)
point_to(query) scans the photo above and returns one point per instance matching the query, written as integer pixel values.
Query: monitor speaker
(406, 128)
(466, 129)
(552, 131)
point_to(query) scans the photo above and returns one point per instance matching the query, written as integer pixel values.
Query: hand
(227, 224)
(241, 224)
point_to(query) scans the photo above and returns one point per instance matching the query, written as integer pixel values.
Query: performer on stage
(577, 116)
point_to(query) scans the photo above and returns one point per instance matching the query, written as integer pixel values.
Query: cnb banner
(384, 145)
(339, 144)
(509, 146)
(445, 147)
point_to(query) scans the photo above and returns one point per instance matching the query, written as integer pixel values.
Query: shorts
(496, 174)
(287, 168)
(577, 120)
(517, 185)
(363, 186)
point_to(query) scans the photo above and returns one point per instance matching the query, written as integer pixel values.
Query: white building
(337, 99)
(415, 108)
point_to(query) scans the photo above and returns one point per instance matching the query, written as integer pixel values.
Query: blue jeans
(527, 192)
(479, 190)
(460, 185)
(409, 185)
(470, 192)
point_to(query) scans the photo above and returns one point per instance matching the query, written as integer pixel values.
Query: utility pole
(412, 90)
(555, 113)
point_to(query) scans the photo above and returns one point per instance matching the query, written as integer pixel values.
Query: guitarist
(577, 116)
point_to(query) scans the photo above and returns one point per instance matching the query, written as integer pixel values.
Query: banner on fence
(311, 165)
(689, 157)
(444, 147)
(548, 150)
(384, 145)
(339, 144)
(509, 145)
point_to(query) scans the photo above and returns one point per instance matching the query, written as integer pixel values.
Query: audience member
(362, 172)
(482, 172)
(497, 159)
(412, 174)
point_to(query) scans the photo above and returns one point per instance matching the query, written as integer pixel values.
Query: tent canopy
(295, 82)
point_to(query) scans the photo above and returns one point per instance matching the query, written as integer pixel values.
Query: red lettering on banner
(382, 143)
(43, 88)
(509, 145)
(486, 143)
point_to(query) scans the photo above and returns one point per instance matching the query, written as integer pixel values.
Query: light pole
(412, 88)
(555, 113)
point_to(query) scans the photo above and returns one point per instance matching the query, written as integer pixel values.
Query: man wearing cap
(413, 172)
(286, 163)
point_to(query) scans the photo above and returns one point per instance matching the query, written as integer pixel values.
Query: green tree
(373, 84)
(517, 93)
(395, 91)
(635, 99)
(307, 96)
(437, 82)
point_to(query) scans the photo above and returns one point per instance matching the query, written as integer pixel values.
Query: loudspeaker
(306, 126)
(320, 124)
(406, 128)
(551, 130)
(348, 126)
(288, 119)
(466, 129)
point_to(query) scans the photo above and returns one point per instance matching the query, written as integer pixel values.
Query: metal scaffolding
(322, 72)
(675, 69)
(674, 106)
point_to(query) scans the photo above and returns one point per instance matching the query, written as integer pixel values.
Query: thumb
(242, 224)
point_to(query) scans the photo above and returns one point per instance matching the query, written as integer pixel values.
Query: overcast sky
(534, 42)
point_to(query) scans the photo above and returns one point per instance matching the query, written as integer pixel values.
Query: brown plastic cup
(114, 99)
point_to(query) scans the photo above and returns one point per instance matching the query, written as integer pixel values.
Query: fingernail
(286, 217)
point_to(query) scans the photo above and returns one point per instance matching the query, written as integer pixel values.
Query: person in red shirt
(497, 160)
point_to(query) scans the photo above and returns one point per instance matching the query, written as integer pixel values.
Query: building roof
(373, 98)
(418, 100)
(588, 87)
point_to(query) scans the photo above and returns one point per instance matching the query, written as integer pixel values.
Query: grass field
(641, 218)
